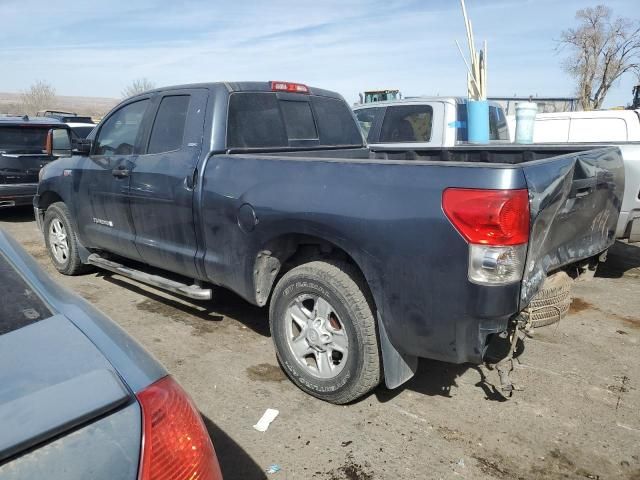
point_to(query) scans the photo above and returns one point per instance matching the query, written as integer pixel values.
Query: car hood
(53, 379)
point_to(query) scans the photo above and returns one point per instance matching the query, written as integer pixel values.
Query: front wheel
(61, 241)
(324, 331)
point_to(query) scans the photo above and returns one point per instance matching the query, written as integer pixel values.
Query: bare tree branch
(40, 96)
(138, 86)
(602, 50)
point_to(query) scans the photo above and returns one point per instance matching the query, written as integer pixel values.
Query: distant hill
(95, 107)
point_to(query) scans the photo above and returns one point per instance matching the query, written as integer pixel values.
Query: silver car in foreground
(79, 398)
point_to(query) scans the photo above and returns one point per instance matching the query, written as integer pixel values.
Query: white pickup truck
(612, 127)
(423, 122)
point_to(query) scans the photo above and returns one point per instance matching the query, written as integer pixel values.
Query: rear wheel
(62, 243)
(324, 331)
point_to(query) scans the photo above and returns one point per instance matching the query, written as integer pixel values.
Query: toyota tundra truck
(366, 259)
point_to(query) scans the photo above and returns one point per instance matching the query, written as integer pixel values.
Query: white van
(594, 126)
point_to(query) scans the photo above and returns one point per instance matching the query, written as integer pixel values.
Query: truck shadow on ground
(435, 378)
(204, 316)
(17, 214)
(622, 259)
(235, 463)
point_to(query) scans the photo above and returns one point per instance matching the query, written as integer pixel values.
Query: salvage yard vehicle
(79, 398)
(23, 152)
(620, 128)
(419, 122)
(81, 126)
(367, 259)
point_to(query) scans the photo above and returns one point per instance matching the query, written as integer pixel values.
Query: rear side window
(261, 120)
(407, 123)
(366, 117)
(168, 127)
(118, 134)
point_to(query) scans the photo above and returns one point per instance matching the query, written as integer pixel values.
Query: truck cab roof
(241, 86)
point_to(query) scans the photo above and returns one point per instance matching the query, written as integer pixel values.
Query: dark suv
(23, 152)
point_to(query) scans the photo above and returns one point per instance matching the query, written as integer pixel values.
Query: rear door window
(119, 133)
(262, 120)
(168, 127)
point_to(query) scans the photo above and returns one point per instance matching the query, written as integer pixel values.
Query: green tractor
(371, 96)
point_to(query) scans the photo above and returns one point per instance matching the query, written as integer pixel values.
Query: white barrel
(525, 121)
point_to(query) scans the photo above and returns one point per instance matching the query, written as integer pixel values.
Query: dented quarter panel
(575, 201)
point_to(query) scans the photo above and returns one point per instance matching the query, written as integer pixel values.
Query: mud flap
(398, 368)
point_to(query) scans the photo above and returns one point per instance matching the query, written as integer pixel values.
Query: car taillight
(289, 87)
(175, 442)
(495, 223)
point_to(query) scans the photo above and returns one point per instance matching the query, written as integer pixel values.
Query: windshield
(24, 138)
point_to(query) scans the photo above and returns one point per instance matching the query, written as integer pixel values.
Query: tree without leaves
(602, 50)
(138, 86)
(40, 96)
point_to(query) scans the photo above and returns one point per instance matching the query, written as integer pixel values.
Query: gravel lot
(578, 415)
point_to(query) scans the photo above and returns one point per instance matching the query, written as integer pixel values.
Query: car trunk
(53, 379)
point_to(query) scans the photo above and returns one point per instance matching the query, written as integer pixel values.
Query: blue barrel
(478, 121)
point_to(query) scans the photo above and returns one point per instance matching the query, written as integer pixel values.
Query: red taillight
(488, 217)
(175, 442)
(289, 87)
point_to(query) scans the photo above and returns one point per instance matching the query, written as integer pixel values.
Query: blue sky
(91, 48)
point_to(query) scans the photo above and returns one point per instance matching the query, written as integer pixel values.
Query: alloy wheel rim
(58, 241)
(316, 336)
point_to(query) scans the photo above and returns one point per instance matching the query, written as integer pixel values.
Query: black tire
(341, 286)
(551, 304)
(72, 264)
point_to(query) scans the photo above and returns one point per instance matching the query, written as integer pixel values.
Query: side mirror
(82, 146)
(58, 143)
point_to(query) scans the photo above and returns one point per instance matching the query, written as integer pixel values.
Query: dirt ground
(578, 415)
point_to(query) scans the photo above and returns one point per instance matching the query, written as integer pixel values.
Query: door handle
(120, 172)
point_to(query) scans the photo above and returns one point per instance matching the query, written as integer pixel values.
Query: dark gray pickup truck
(367, 259)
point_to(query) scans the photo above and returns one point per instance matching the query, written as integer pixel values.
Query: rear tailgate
(575, 201)
(21, 168)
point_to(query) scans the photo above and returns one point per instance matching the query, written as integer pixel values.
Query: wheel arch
(286, 251)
